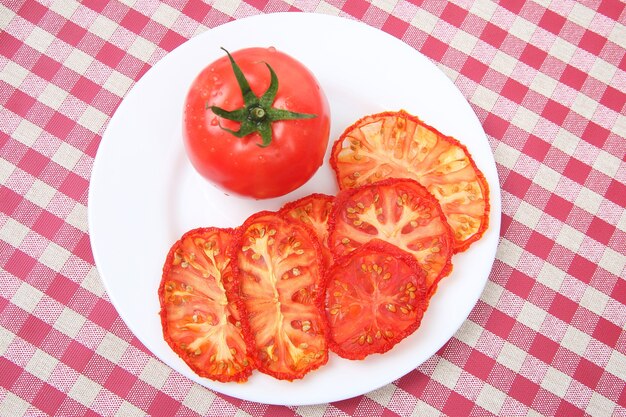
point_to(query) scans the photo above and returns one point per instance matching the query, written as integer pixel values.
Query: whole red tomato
(256, 123)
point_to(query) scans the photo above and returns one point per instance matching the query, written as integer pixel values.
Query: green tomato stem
(257, 113)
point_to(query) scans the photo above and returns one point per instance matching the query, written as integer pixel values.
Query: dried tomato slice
(375, 297)
(199, 321)
(279, 269)
(397, 144)
(313, 211)
(398, 211)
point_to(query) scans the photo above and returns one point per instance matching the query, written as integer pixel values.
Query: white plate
(144, 193)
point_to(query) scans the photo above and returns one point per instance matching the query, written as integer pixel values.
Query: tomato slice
(278, 265)
(313, 211)
(397, 144)
(398, 211)
(199, 321)
(375, 297)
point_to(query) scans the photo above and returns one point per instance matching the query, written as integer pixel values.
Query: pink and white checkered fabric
(547, 80)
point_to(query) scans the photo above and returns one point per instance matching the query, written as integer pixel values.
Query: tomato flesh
(279, 268)
(313, 211)
(239, 165)
(199, 321)
(375, 297)
(397, 144)
(398, 211)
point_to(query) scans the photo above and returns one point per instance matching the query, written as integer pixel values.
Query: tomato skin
(278, 270)
(200, 319)
(238, 165)
(375, 297)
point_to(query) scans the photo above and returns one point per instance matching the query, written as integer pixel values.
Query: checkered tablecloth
(547, 79)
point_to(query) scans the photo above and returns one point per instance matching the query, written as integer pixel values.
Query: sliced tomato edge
(346, 194)
(239, 377)
(459, 246)
(290, 205)
(247, 330)
(383, 247)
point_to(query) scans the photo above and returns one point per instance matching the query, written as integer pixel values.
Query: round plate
(144, 194)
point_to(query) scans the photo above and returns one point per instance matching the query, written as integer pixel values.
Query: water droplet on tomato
(212, 149)
(214, 121)
(271, 49)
